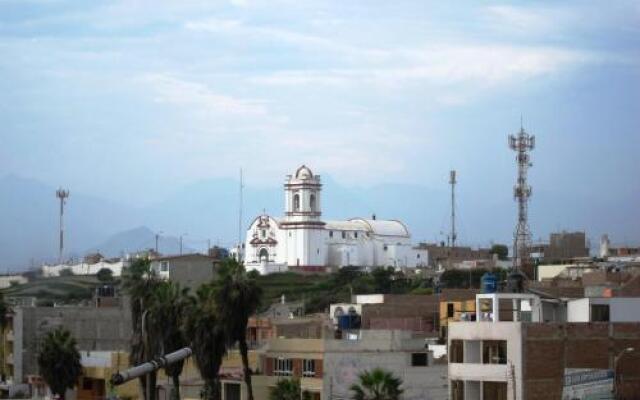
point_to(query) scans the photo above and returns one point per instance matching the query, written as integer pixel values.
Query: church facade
(302, 241)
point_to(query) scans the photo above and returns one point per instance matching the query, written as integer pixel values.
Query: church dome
(304, 173)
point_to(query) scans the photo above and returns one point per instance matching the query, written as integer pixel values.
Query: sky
(129, 100)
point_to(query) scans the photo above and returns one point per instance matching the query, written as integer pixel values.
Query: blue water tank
(349, 321)
(489, 283)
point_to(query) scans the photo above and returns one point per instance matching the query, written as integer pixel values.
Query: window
(457, 390)
(283, 367)
(296, 202)
(450, 310)
(385, 247)
(344, 234)
(330, 234)
(164, 266)
(419, 360)
(456, 351)
(494, 352)
(355, 235)
(308, 367)
(312, 202)
(494, 390)
(600, 313)
(87, 384)
(418, 255)
(263, 233)
(232, 391)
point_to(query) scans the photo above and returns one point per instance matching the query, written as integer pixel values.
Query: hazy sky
(138, 97)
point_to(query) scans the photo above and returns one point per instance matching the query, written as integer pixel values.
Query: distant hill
(137, 239)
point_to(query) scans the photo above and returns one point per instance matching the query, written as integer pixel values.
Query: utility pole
(452, 182)
(522, 143)
(240, 219)
(181, 242)
(157, 240)
(62, 194)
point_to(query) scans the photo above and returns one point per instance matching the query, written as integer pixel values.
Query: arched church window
(312, 202)
(296, 202)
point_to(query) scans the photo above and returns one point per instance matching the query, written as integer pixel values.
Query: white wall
(621, 309)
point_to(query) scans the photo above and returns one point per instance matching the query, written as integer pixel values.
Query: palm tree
(238, 297)
(377, 384)
(59, 361)
(206, 334)
(139, 282)
(166, 311)
(288, 389)
(4, 310)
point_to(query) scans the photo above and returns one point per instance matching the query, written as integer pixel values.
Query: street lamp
(615, 369)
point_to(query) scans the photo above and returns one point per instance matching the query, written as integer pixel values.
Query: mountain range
(206, 212)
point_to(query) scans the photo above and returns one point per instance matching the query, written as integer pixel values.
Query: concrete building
(188, 270)
(328, 367)
(395, 351)
(442, 255)
(94, 328)
(86, 267)
(303, 241)
(418, 314)
(509, 354)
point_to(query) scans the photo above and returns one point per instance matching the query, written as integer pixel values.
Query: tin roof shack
(316, 326)
(415, 313)
(396, 351)
(456, 305)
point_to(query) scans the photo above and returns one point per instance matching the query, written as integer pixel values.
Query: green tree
(59, 361)
(382, 278)
(105, 275)
(205, 331)
(167, 306)
(377, 384)
(288, 389)
(501, 250)
(238, 297)
(139, 282)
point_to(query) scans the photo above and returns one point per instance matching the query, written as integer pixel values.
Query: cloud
(169, 89)
(443, 66)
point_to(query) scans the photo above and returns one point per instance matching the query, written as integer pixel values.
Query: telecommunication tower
(62, 194)
(522, 143)
(452, 182)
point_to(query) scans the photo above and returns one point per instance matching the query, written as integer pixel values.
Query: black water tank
(515, 282)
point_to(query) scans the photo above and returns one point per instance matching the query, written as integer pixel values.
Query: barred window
(283, 367)
(308, 368)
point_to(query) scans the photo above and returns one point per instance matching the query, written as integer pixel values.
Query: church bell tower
(305, 240)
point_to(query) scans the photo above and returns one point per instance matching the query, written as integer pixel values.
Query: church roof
(304, 172)
(375, 226)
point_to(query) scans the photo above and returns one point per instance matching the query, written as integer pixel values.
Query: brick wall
(550, 348)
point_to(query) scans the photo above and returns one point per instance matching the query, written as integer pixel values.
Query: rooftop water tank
(489, 283)
(515, 282)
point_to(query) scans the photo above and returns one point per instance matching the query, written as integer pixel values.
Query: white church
(302, 241)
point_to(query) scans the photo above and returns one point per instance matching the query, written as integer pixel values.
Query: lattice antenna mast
(522, 144)
(452, 182)
(62, 194)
